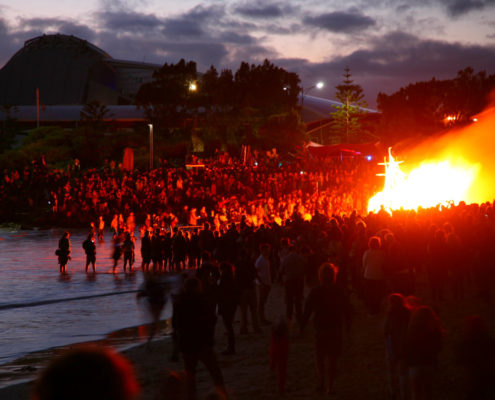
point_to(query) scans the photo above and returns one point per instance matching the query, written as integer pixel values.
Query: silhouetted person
(292, 268)
(85, 373)
(117, 251)
(395, 332)
(194, 321)
(146, 251)
(330, 306)
(228, 300)
(128, 251)
(438, 263)
(476, 353)
(245, 277)
(90, 250)
(374, 275)
(155, 294)
(423, 343)
(63, 252)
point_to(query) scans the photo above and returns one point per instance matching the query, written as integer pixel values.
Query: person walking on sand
(330, 306)
(155, 294)
(194, 320)
(63, 252)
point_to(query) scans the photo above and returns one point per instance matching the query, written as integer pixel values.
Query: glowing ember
(432, 183)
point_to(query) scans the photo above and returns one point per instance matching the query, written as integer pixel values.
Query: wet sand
(361, 370)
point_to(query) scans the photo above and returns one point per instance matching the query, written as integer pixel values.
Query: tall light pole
(319, 85)
(150, 126)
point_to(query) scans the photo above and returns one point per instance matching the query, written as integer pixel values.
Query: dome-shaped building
(68, 71)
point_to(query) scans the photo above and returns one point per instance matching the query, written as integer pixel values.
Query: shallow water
(39, 308)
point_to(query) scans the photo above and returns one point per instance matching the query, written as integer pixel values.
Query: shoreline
(361, 368)
(24, 369)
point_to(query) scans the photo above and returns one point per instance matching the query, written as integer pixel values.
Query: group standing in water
(123, 246)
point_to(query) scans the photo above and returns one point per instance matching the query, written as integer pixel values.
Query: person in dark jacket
(128, 250)
(63, 252)
(330, 306)
(154, 292)
(395, 332)
(228, 300)
(90, 250)
(423, 344)
(146, 251)
(193, 321)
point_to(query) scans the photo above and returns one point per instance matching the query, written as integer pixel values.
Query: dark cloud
(460, 7)
(260, 11)
(128, 21)
(177, 27)
(194, 22)
(213, 35)
(36, 26)
(393, 61)
(234, 37)
(159, 50)
(454, 8)
(340, 21)
(8, 45)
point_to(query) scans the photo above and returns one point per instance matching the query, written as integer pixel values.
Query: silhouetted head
(89, 372)
(327, 273)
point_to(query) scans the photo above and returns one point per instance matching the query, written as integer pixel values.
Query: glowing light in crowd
(432, 183)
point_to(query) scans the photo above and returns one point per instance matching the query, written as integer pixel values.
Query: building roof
(49, 114)
(66, 70)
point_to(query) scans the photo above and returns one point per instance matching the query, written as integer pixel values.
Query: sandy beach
(361, 370)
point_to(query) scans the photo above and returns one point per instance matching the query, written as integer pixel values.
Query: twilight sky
(386, 43)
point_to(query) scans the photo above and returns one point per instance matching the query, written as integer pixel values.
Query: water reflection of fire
(438, 182)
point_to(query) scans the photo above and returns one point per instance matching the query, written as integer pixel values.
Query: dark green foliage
(54, 142)
(8, 127)
(282, 131)
(167, 100)
(347, 125)
(94, 115)
(420, 109)
(226, 108)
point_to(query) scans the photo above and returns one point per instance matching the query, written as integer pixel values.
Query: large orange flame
(432, 183)
(459, 166)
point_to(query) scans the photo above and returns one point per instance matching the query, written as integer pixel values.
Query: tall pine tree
(346, 117)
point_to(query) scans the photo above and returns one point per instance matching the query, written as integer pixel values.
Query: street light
(319, 85)
(150, 126)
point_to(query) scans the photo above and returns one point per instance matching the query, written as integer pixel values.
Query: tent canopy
(344, 149)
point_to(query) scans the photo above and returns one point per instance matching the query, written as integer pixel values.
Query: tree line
(256, 105)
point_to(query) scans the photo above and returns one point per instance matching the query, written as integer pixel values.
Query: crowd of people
(222, 190)
(239, 229)
(333, 258)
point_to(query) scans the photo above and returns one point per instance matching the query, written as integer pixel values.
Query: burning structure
(459, 166)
